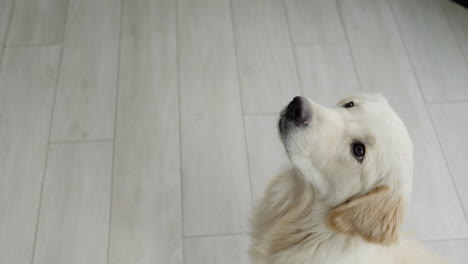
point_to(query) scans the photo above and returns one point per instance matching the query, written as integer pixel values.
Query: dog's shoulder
(282, 193)
(284, 205)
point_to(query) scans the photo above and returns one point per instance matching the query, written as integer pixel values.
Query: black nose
(299, 110)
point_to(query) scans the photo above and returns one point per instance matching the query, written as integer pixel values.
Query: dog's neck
(294, 219)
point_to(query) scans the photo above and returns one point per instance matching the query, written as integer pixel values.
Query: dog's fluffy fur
(332, 208)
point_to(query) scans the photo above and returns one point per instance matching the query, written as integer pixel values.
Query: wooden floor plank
(434, 52)
(214, 250)
(452, 127)
(38, 22)
(27, 83)
(453, 251)
(267, 157)
(6, 7)
(213, 148)
(267, 70)
(327, 73)
(315, 22)
(74, 217)
(85, 104)
(146, 222)
(458, 17)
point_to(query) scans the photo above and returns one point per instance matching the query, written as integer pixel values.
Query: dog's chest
(332, 252)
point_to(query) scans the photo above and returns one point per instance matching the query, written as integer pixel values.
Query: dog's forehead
(368, 108)
(373, 116)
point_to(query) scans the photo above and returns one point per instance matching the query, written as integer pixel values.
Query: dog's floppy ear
(375, 216)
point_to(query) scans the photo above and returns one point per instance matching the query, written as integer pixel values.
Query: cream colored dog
(344, 200)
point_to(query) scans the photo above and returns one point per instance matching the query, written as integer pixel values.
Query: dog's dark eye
(359, 150)
(348, 104)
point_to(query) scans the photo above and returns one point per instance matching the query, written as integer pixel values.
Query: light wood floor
(141, 131)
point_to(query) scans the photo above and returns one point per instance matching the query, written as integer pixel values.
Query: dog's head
(357, 156)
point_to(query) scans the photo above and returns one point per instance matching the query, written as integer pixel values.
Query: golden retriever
(344, 199)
